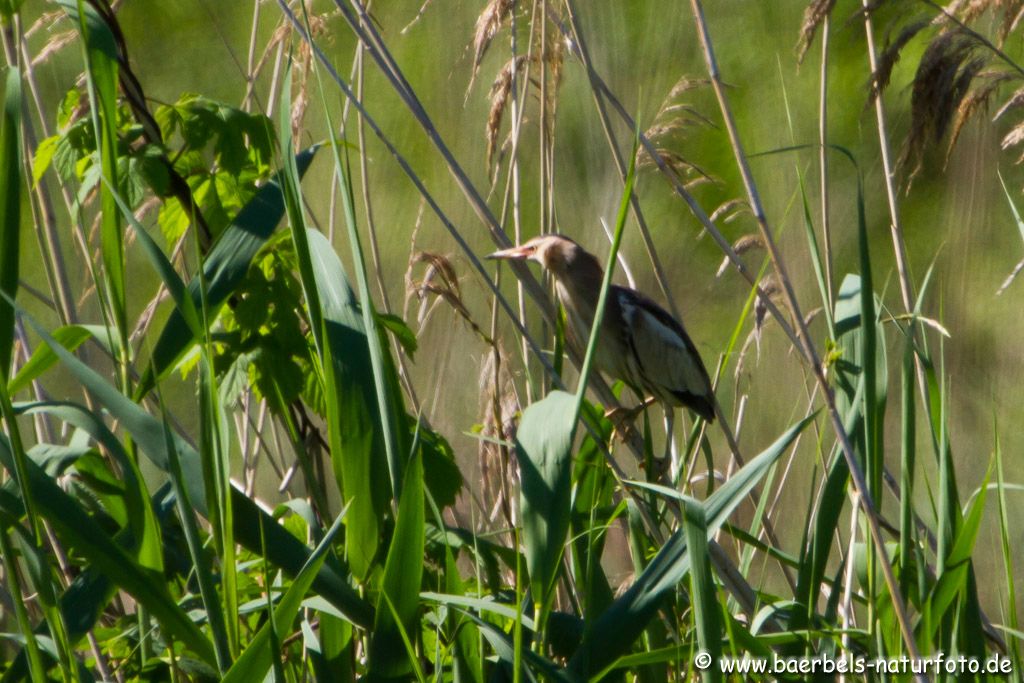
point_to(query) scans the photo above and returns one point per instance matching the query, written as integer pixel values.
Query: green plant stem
(857, 476)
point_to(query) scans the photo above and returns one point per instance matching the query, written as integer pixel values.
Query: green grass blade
(79, 532)
(36, 668)
(704, 597)
(615, 631)
(285, 550)
(101, 79)
(200, 559)
(161, 264)
(290, 184)
(400, 586)
(257, 658)
(10, 213)
(42, 358)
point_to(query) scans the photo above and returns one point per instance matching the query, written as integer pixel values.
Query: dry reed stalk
(809, 352)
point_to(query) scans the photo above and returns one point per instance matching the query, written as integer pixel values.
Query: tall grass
(362, 540)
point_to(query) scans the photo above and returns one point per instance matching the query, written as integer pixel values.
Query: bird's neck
(579, 293)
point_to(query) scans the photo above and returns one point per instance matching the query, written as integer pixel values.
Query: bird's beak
(514, 253)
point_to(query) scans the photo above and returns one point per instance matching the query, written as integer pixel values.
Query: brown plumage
(641, 343)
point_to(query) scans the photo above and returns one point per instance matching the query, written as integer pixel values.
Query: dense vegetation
(229, 452)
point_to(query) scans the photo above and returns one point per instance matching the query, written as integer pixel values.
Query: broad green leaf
(544, 449)
(353, 421)
(403, 574)
(388, 393)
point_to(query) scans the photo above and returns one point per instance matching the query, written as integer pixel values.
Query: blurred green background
(955, 215)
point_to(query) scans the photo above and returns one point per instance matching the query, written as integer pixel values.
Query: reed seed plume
(749, 242)
(890, 56)
(487, 26)
(942, 81)
(669, 129)
(500, 92)
(978, 100)
(441, 281)
(814, 15)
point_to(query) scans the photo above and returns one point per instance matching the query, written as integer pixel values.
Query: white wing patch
(667, 363)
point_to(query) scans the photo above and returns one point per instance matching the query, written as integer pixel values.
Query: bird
(641, 343)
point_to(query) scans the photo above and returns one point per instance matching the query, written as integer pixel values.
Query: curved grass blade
(42, 359)
(614, 632)
(162, 265)
(285, 551)
(200, 560)
(10, 213)
(257, 658)
(79, 532)
(506, 651)
(101, 79)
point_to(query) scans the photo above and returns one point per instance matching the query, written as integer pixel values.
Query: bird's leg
(621, 415)
(623, 418)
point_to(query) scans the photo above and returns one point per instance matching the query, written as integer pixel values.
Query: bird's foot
(621, 415)
(623, 420)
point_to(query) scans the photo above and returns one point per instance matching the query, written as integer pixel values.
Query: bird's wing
(667, 358)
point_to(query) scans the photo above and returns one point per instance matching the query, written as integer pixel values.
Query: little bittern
(640, 343)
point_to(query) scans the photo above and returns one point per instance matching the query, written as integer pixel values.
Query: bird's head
(557, 254)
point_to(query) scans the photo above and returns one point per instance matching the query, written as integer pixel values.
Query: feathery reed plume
(487, 26)
(978, 100)
(440, 280)
(890, 56)
(668, 131)
(941, 83)
(741, 246)
(814, 15)
(501, 89)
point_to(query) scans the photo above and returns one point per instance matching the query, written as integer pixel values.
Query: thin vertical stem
(856, 474)
(906, 287)
(826, 231)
